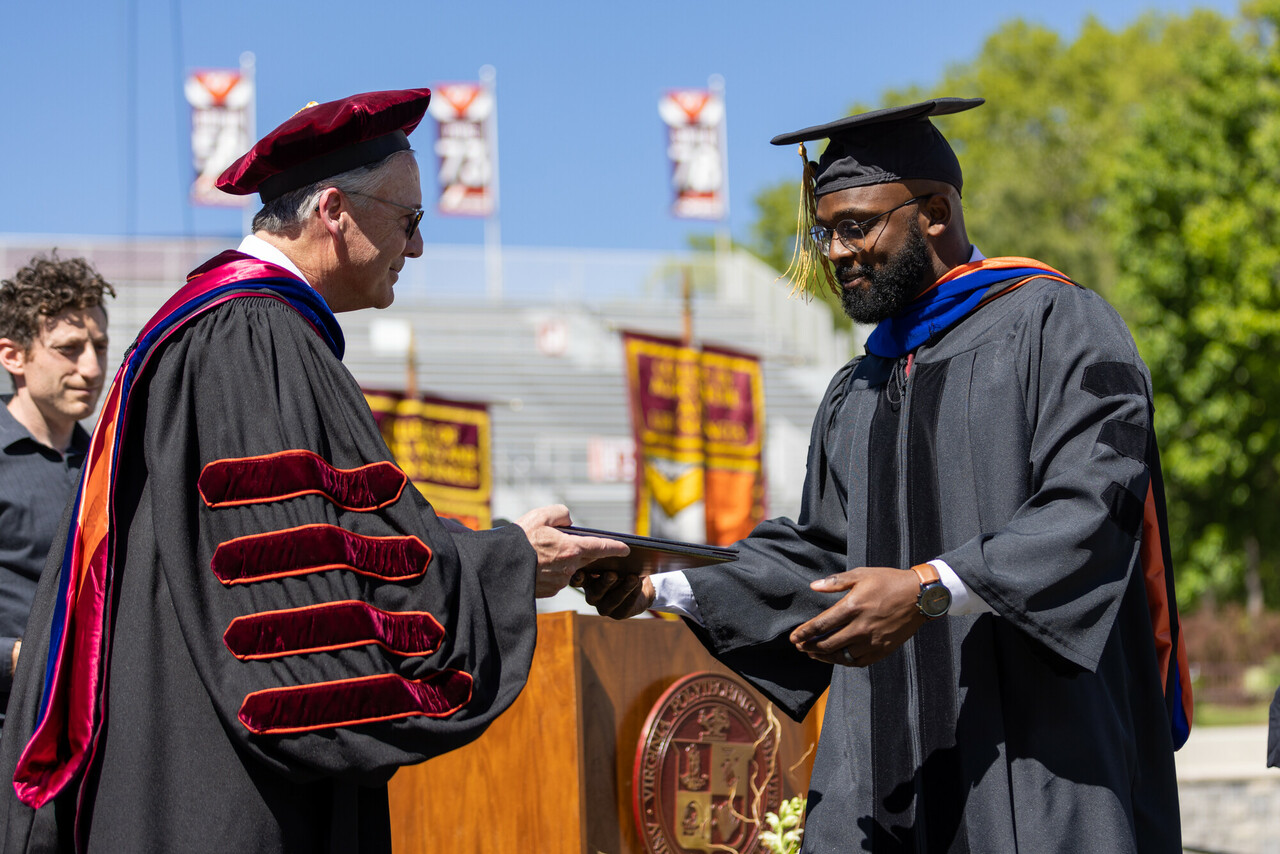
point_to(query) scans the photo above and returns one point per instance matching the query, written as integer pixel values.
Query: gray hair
(289, 212)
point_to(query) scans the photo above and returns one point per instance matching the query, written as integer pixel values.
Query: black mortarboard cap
(883, 146)
(879, 147)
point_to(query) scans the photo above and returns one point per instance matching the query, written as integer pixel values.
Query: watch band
(927, 573)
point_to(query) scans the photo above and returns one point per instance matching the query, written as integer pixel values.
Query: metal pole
(184, 134)
(723, 241)
(131, 127)
(411, 369)
(716, 84)
(492, 226)
(686, 298)
(248, 64)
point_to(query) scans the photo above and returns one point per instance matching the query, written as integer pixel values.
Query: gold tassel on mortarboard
(808, 267)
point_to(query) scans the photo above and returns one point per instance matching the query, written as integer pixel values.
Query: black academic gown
(176, 767)
(1019, 450)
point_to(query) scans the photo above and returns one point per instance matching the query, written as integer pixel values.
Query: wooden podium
(554, 773)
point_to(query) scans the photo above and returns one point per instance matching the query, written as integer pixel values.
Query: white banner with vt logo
(695, 144)
(466, 175)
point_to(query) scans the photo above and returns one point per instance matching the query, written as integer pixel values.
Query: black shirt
(36, 482)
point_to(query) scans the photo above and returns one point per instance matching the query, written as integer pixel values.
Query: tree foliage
(1195, 222)
(1144, 163)
(1037, 154)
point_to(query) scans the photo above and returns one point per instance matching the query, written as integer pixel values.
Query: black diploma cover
(650, 555)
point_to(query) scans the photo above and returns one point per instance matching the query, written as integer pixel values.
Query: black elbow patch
(1108, 379)
(1124, 508)
(1128, 440)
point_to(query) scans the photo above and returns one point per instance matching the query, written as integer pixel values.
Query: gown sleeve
(1059, 567)
(339, 628)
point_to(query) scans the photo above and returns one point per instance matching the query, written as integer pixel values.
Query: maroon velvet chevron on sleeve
(347, 702)
(318, 548)
(332, 626)
(288, 474)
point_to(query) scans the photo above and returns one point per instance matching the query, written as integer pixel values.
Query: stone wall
(1230, 800)
(1231, 816)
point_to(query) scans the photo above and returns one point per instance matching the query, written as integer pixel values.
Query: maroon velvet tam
(323, 140)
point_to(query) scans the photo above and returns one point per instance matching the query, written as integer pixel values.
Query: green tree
(1036, 156)
(1195, 219)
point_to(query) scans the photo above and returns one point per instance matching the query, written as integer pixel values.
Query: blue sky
(94, 139)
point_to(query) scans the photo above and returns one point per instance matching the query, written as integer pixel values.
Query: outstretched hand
(561, 555)
(876, 616)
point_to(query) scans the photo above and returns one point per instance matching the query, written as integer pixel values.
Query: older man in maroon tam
(252, 619)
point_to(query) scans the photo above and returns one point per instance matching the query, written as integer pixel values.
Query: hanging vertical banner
(733, 435)
(695, 140)
(221, 130)
(698, 421)
(444, 446)
(666, 420)
(466, 172)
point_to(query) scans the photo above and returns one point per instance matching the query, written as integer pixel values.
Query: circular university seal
(706, 769)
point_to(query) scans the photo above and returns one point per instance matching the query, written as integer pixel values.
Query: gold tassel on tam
(808, 268)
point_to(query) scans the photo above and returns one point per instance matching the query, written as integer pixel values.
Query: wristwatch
(934, 599)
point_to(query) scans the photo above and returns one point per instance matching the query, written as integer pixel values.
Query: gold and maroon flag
(733, 434)
(444, 446)
(697, 417)
(464, 143)
(666, 420)
(221, 129)
(695, 144)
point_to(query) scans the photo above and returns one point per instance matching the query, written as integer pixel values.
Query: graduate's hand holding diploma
(616, 595)
(876, 615)
(561, 556)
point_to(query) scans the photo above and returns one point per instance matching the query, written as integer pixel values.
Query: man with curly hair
(53, 343)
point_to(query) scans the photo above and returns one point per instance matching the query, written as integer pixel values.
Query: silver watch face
(935, 600)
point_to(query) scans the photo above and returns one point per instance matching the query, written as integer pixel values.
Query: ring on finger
(847, 656)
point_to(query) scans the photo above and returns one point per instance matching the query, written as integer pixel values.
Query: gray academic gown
(1019, 450)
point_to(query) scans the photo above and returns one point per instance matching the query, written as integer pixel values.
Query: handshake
(562, 556)
(594, 561)
(565, 559)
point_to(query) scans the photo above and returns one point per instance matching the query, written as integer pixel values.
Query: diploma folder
(650, 555)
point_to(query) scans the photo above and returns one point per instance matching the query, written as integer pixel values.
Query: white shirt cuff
(963, 600)
(673, 595)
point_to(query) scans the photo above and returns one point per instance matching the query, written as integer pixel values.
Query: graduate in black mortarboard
(979, 570)
(253, 619)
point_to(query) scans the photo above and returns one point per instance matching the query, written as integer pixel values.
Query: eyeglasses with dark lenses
(414, 219)
(853, 233)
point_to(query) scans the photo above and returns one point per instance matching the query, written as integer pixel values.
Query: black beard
(892, 287)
